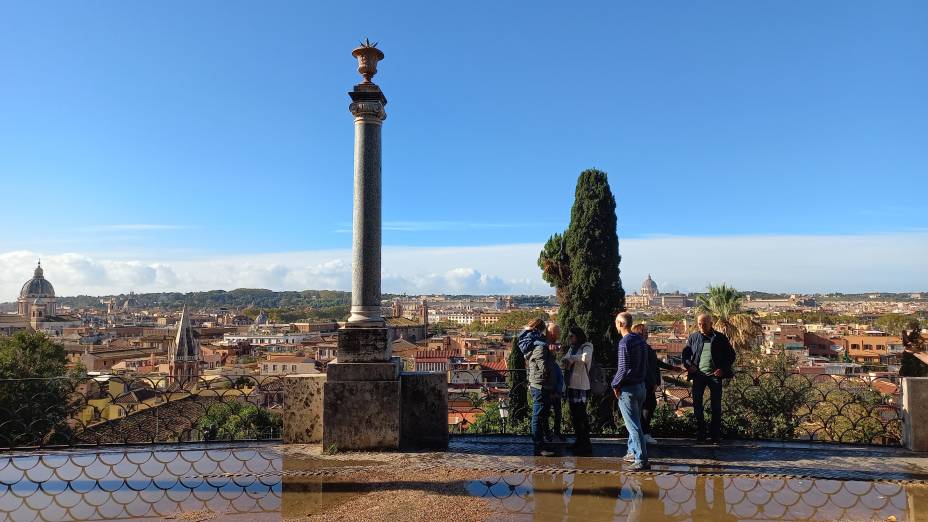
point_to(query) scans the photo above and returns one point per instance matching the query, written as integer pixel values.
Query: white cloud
(134, 227)
(890, 262)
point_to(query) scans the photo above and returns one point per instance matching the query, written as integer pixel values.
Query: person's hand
(718, 373)
(616, 392)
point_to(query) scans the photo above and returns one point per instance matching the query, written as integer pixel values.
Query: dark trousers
(557, 409)
(647, 409)
(700, 382)
(581, 422)
(541, 409)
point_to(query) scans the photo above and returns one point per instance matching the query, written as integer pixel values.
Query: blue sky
(175, 133)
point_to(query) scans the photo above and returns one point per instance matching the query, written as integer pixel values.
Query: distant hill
(238, 298)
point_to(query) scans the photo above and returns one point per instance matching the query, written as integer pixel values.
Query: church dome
(649, 287)
(38, 286)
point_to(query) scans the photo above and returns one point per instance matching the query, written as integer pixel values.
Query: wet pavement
(479, 478)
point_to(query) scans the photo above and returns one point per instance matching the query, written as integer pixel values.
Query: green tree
(583, 265)
(555, 266)
(769, 403)
(512, 321)
(518, 384)
(37, 391)
(239, 421)
(723, 303)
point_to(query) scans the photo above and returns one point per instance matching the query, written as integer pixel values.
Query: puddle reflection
(687, 497)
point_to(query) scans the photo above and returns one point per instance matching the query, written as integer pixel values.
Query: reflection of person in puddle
(593, 497)
(717, 511)
(633, 497)
(548, 492)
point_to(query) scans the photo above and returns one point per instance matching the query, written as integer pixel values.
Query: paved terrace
(479, 478)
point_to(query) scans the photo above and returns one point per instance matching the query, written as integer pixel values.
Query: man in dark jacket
(535, 343)
(708, 357)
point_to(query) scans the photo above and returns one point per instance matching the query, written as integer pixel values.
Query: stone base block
(914, 413)
(361, 415)
(342, 371)
(302, 411)
(424, 410)
(363, 345)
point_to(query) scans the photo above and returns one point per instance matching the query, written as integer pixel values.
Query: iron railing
(97, 410)
(756, 405)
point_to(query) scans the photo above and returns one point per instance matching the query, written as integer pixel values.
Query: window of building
(275, 367)
(868, 347)
(293, 368)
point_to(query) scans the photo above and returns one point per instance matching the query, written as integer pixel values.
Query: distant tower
(397, 308)
(184, 356)
(37, 314)
(424, 314)
(509, 305)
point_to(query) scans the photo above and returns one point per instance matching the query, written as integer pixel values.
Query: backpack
(598, 384)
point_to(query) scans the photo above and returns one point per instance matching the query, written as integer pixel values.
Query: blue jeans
(541, 408)
(630, 400)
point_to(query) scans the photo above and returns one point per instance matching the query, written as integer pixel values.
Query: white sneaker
(628, 457)
(649, 439)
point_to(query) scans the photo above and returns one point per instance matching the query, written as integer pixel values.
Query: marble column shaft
(368, 109)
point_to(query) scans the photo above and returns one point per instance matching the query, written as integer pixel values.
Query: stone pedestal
(424, 410)
(303, 407)
(361, 415)
(914, 413)
(363, 345)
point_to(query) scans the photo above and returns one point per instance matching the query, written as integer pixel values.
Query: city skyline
(218, 156)
(767, 261)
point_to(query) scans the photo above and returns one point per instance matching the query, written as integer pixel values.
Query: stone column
(361, 401)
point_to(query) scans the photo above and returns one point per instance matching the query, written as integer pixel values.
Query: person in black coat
(708, 358)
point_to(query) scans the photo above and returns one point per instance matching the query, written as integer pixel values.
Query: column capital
(368, 102)
(368, 111)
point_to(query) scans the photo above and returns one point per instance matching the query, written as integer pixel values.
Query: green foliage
(894, 324)
(776, 403)
(489, 421)
(38, 398)
(768, 404)
(555, 266)
(517, 379)
(511, 322)
(442, 328)
(666, 422)
(239, 421)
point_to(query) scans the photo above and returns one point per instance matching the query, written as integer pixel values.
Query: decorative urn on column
(368, 55)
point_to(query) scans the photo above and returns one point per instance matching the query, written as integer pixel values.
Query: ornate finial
(368, 55)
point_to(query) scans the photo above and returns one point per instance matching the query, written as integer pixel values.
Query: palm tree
(723, 303)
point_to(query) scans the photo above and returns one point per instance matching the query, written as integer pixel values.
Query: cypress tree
(589, 287)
